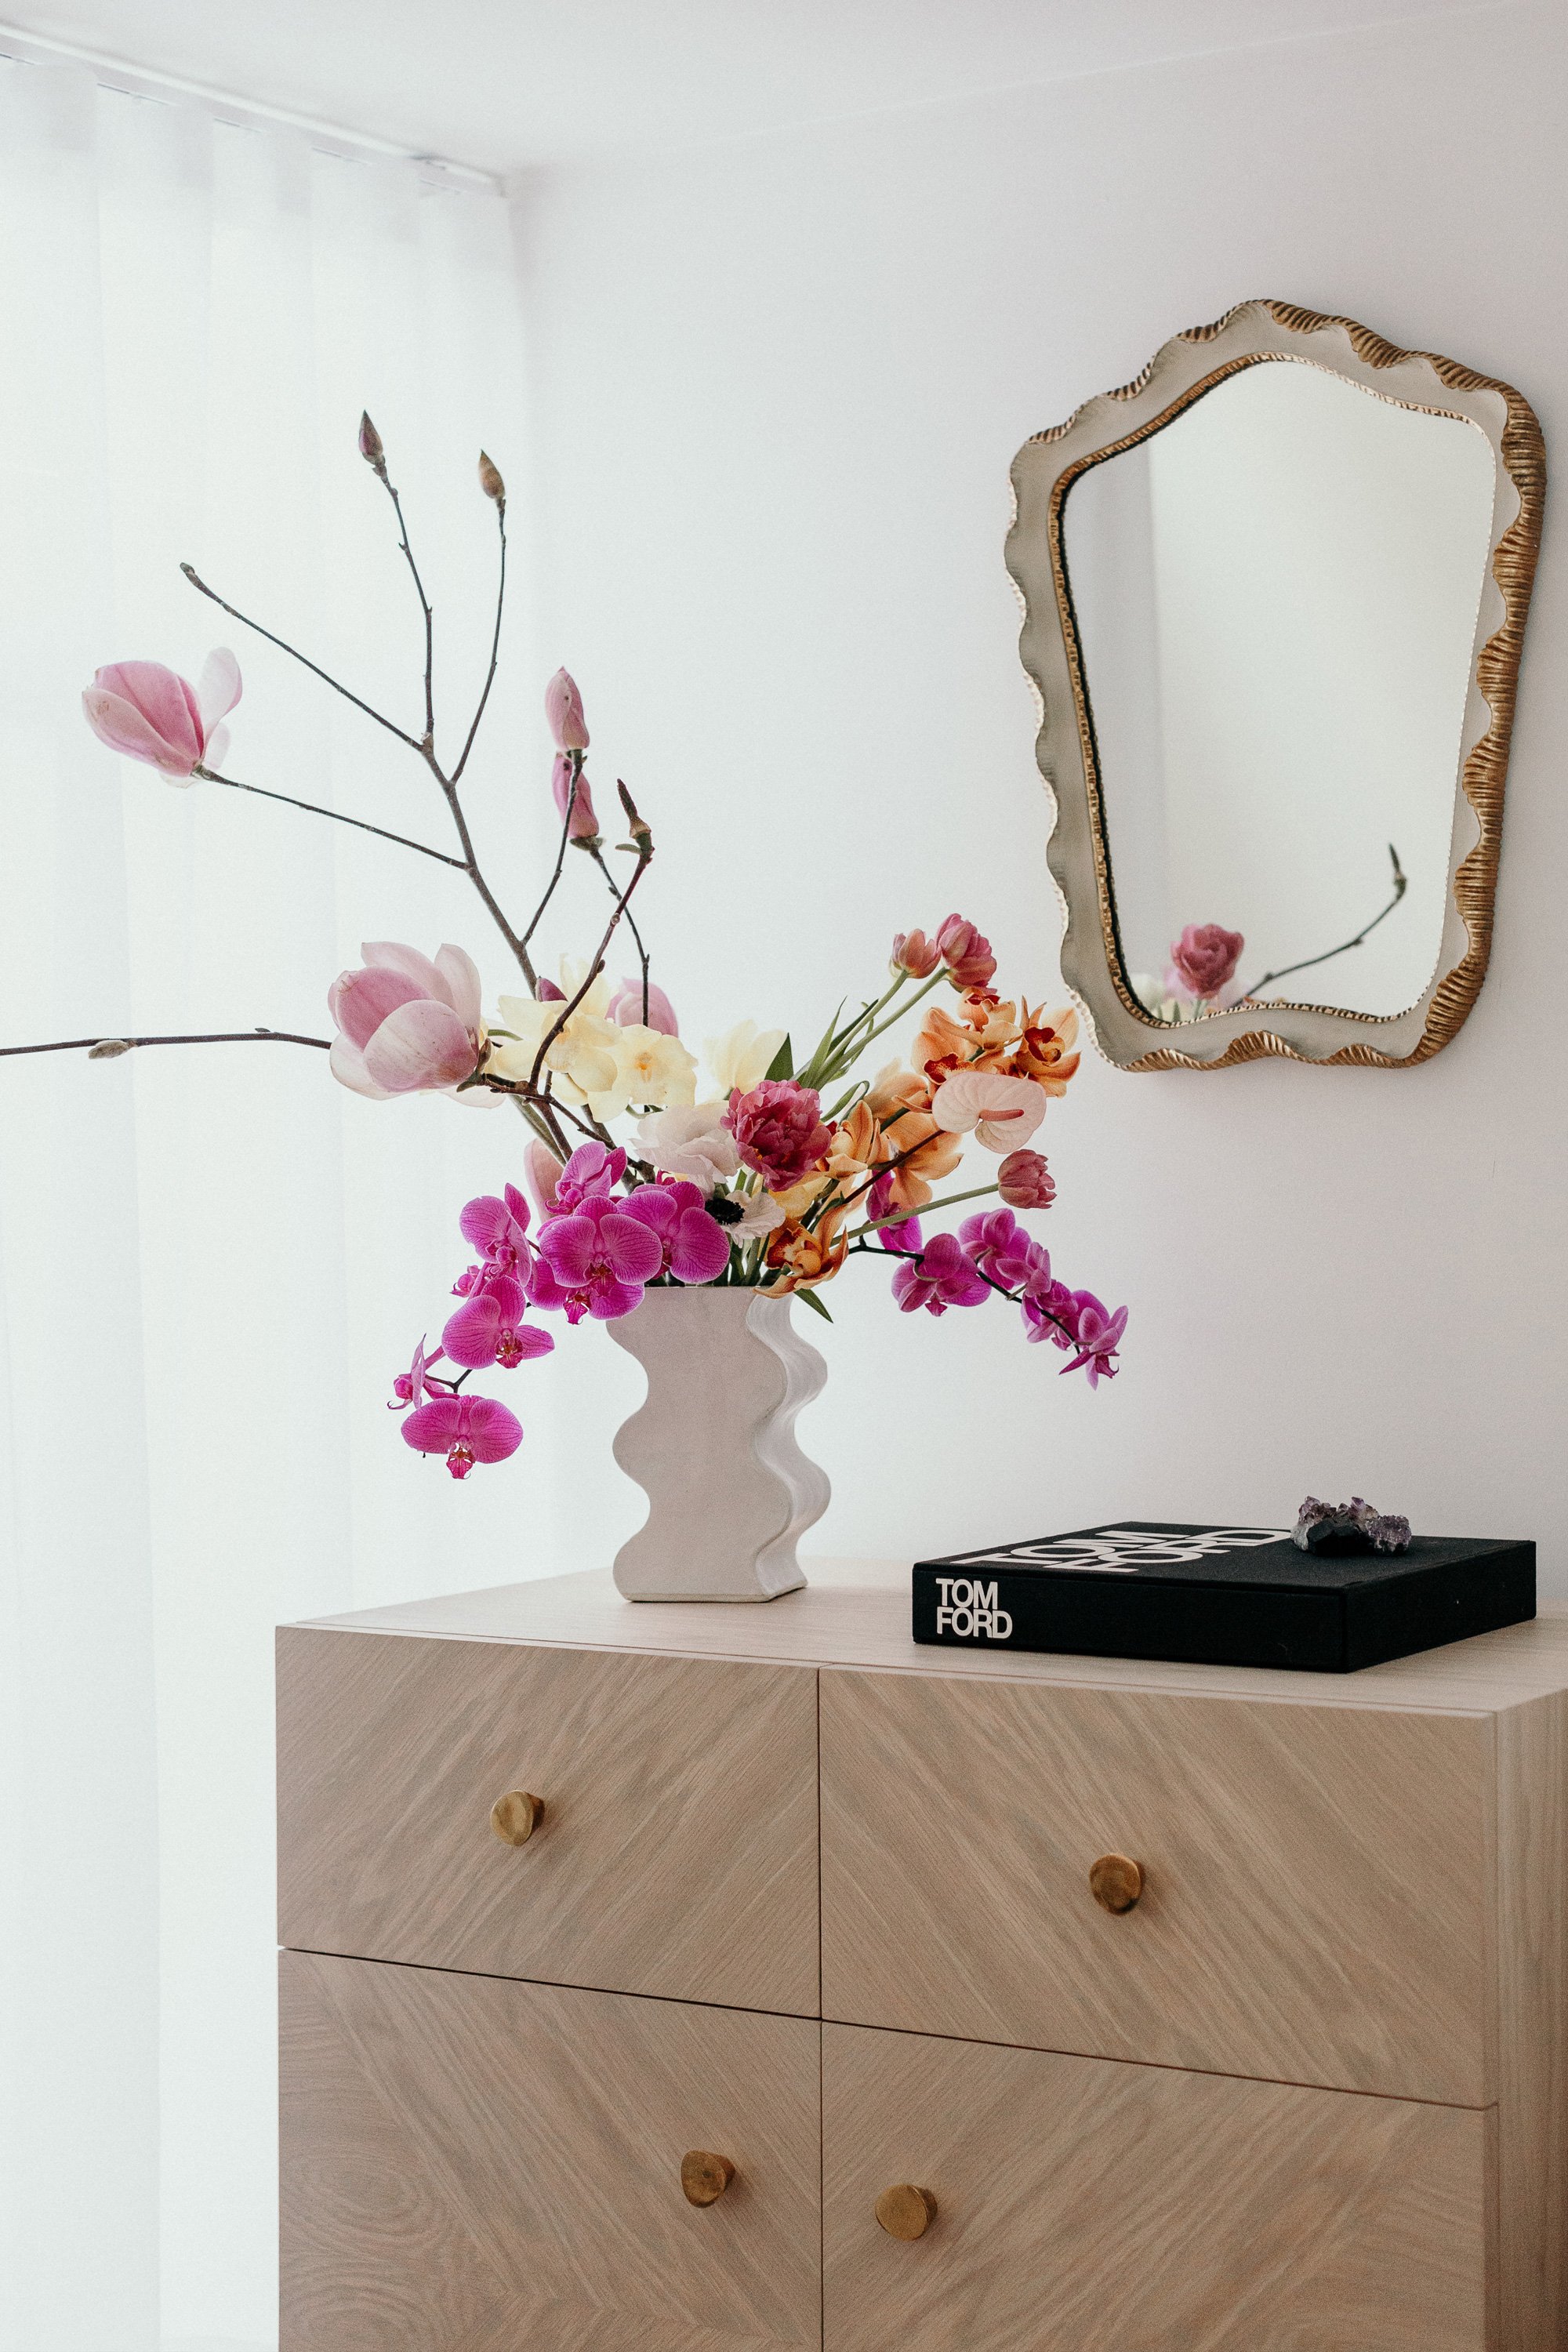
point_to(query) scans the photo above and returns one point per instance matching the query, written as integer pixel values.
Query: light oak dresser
(669, 1978)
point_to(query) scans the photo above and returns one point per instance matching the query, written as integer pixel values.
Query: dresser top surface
(856, 1613)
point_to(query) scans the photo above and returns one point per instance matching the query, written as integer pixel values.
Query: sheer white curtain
(211, 1261)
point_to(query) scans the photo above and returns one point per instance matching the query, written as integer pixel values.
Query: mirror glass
(1277, 597)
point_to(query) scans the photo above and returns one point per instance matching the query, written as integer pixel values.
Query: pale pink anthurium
(1003, 1112)
(146, 712)
(407, 1025)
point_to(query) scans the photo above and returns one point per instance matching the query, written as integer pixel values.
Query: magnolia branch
(314, 808)
(104, 1049)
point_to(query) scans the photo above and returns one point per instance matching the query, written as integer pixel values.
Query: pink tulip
(406, 1025)
(1024, 1181)
(146, 712)
(1206, 956)
(967, 955)
(563, 713)
(466, 1429)
(626, 1007)
(915, 955)
(584, 825)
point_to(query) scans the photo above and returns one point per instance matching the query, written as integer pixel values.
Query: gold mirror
(1275, 595)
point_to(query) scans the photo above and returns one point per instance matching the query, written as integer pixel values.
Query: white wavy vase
(730, 1492)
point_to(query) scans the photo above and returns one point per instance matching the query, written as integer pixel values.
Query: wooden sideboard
(666, 1978)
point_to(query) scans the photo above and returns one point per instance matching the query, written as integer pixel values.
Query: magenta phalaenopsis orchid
(940, 1278)
(465, 1429)
(696, 1247)
(595, 1261)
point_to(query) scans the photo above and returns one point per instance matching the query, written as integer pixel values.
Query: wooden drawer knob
(906, 2211)
(1116, 1882)
(516, 1816)
(704, 2177)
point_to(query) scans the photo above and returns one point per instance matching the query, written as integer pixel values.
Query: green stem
(902, 1216)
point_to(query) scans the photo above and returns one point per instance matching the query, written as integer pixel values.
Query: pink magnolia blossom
(915, 954)
(626, 1008)
(542, 1170)
(466, 1429)
(149, 713)
(968, 957)
(584, 825)
(415, 1385)
(1001, 1111)
(1024, 1181)
(563, 713)
(779, 1129)
(406, 1025)
(595, 1261)
(1204, 958)
(940, 1278)
(696, 1246)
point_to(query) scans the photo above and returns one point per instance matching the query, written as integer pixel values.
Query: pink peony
(940, 1278)
(915, 954)
(406, 1025)
(1024, 1181)
(696, 1246)
(1206, 956)
(626, 1008)
(779, 1129)
(563, 713)
(595, 1261)
(465, 1429)
(584, 825)
(149, 713)
(968, 957)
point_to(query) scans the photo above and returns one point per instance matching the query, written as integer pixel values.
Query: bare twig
(561, 848)
(424, 606)
(293, 651)
(495, 651)
(1401, 884)
(314, 808)
(643, 959)
(107, 1048)
(597, 962)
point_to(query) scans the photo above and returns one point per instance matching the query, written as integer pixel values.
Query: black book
(1221, 1596)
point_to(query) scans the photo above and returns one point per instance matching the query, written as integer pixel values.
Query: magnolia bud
(108, 1047)
(548, 994)
(369, 446)
(563, 713)
(640, 830)
(491, 481)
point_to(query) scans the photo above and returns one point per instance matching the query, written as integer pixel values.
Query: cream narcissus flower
(743, 1056)
(652, 1068)
(583, 1056)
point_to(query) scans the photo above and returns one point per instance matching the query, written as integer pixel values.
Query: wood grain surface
(1318, 1887)
(856, 1612)
(1088, 2206)
(477, 2166)
(1532, 2017)
(676, 1854)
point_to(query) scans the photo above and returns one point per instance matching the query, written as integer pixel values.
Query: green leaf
(809, 1298)
(783, 1064)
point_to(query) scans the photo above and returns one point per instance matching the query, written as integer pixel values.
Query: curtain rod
(241, 113)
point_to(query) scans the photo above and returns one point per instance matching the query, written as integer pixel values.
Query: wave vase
(713, 1446)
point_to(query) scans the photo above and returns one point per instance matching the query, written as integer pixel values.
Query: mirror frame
(1192, 364)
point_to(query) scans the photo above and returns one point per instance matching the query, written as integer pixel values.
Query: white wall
(776, 385)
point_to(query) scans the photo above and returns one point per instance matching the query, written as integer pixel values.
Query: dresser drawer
(677, 1850)
(475, 2166)
(1092, 2207)
(1318, 1880)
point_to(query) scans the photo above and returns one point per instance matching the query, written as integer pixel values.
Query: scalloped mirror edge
(1181, 371)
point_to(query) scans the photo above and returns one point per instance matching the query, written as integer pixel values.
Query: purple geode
(1338, 1527)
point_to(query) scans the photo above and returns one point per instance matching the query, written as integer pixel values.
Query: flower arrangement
(644, 1167)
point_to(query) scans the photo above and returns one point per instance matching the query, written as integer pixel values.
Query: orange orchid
(924, 1153)
(859, 1147)
(982, 1034)
(804, 1257)
(1044, 1052)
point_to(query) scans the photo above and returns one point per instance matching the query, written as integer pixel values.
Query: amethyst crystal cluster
(1348, 1527)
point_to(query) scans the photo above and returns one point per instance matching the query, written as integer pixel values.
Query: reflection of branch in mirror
(1204, 962)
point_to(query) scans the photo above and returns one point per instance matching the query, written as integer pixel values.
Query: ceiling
(504, 84)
